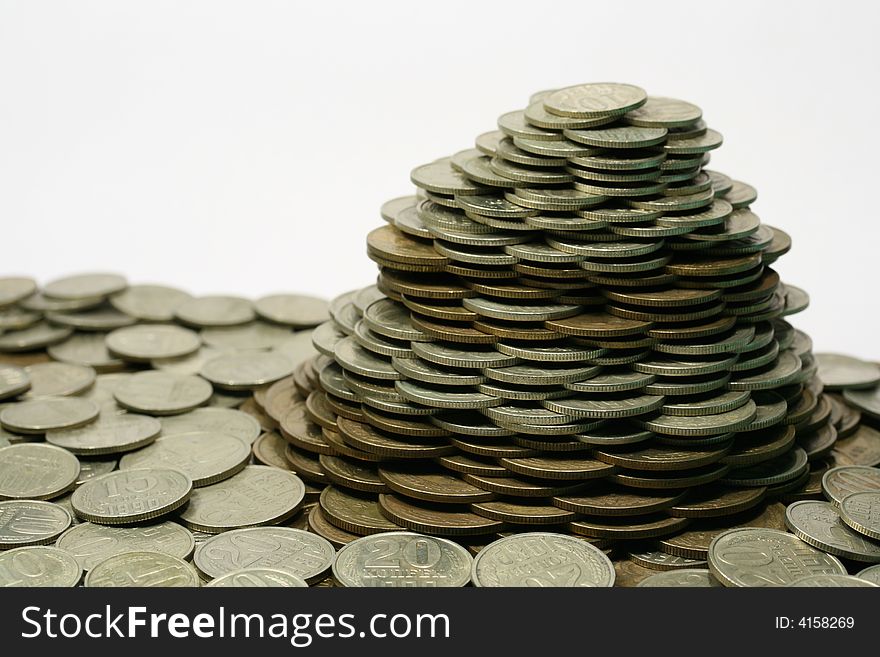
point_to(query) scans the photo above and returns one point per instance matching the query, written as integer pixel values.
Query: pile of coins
(573, 370)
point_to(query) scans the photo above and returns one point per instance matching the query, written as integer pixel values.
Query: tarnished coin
(217, 420)
(258, 495)
(111, 433)
(142, 570)
(58, 379)
(833, 581)
(585, 101)
(686, 577)
(657, 560)
(819, 524)
(146, 342)
(839, 482)
(293, 551)
(149, 303)
(36, 471)
(295, 310)
(542, 559)
(215, 310)
(354, 512)
(248, 370)
(90, 544)
(13, 381)
(258, 577)
(31, 522)
(128, 496)
(402, 559)
(84, 286)
(840, 372)
(38, 566)
(861, 512)
(871, 574)
(15, 288)
(89, 349)
(205, 457)
(751, 556)
(33, 336)
(659, 112)
(160, 393)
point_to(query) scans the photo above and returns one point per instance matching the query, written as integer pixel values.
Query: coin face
(146, 342)
(160, 393)
(833, 581)
(134, 495)
(31, 522)
(221, 420)
(58, 379)
(38, 566)
(595, 100)
(542, 559)
(35, 471)
(258, 577)
(84, 286)
(258, 495)
(215, 311)
(90, 544)
(295, 310)
(861, 512)
(246, 370)
(293, 551)
(839, 372)
(111, 433)
(87, 349)
(46, 414)
(142, 569)
(13, 381)
(845, 480)
(684, 578)
(402, 559)
(205, 457)
(766, 557)
(150, 303)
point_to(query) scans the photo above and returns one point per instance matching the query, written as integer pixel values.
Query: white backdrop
(246, 146)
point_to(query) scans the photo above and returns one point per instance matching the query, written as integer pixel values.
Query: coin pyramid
(576, 326)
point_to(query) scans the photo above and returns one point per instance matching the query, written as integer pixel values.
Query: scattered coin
(258, 577)
(111, 433)
(90, 544)
(31, 522)
(159, 393)
(142, 569)
(38, 566)
(35, 471)
(128, 496)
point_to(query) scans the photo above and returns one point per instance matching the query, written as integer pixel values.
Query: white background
(246, 146)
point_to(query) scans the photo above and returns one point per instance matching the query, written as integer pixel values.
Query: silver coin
(392, 319)
(149, 303)
(31, 522)
(42, 303)
(143, 570)
(92, 468)
(245, 371)
(402, 559)
(146, 342)
(542, 559)
(35, 336)
(38, 416)
(295, 310)
(89, 349)
(205, 457)
(84, 286)
(101, 393)
(256, 335)
(38, 566)
(293, 551)
(187, 365)
(819, 524)
(15, 318)
(838, 372)
(833, 581)
(753, 556)
(218, 420)
(258, 495)
(159, 393)
(258, 577)
(128, 496)
(870, 574)
(36, 471)
(684, 578)
(102, 318)
(861, 512)
(111, 433)
(15, 288)
(58, 379)
(13, 381)
(845, 480)
(90, 544)
(215, 311)
(297, 348)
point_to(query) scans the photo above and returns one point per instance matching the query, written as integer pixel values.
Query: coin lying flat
(142, 569)
(31, 522)
(205, 457)
(258, 577)
(861, 512)
(84, 286)
(128, 496)
(402, 559)
(689, 577)
(215, 311)
(247, 370)
(833, 581)
(38, 566)
(109, 434)
(90, 544)
(13, 381)
(293, 551)
(766, 557)
(46, 414)
(845, 480)
(224, 420)
(258, 495)
(147, 342)
(159, 393)
(840, 372)
(295, 310)
(542, 559)
(35, 471)
(149, 303)
(58, 379)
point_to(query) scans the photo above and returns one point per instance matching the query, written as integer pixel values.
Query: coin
(295, 310)
(292, 551)
(839, 482)
(109, 434)
(13, 381)
(258, 577)
(134, 495)
(38, 566)
(149, 303)
(35, 471)
(90, 544)
(258, 495)
(256, 335)
(870, 574)
(82, 286)
(160, 393)
(217, 310)
(861, 512)
(219, 420)
(542, 559)
(31, 522)
(15, 288)
(247, 370)
(819, 524)
(834, 581)
(88, 349)
(142, 569)
(205, 457)
(689, 577)
(840, 372)
(402, 559)
(146, 342)
(34, 336)
(595, 100)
